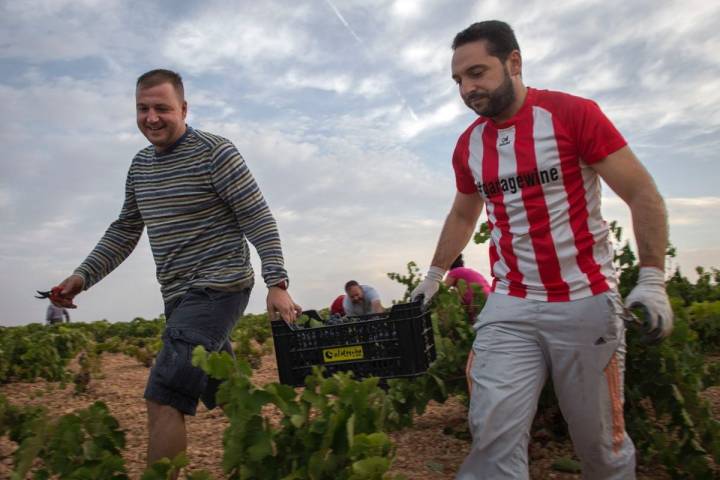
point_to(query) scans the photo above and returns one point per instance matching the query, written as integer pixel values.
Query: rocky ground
(424, 452)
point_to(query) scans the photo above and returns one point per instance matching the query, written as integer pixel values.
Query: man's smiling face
(160, 114)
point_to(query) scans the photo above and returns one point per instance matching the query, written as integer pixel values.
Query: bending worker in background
(535, 158)
(200, 203)
(460, 276)
(55, 314)
(361, 300)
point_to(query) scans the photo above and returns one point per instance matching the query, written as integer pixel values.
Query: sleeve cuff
(275, 277)
(283, 284)
(86, 282)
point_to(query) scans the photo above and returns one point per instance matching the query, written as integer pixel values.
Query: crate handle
(292, 325)
(423, 306)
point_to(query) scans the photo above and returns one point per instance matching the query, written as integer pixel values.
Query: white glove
(429, 286)
(650, 294)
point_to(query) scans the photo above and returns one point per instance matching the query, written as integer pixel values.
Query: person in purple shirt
(55, 315)
(458, 271)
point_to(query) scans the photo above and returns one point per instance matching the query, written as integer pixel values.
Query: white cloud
(603, 75)
(374, 86)
(407, 8)
(443, 115)
(251, 36)
(332, 83)
(425, 58)
(694, 202)
(682, 17)
(66, 104)
(49, 30)
(700, 212)
(692, 224)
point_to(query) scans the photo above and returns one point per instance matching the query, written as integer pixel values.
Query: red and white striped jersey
(548, 238)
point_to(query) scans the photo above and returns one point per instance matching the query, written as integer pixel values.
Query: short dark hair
(459, 262)
(351, 283)
(499, 36)
(159, 76)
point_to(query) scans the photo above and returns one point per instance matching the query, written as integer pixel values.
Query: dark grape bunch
(306, 321)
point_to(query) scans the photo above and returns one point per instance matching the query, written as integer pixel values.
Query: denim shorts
(202, 316)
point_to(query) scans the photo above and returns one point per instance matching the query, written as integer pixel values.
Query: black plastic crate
(399, 343)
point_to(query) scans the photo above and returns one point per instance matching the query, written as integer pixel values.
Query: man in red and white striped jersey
(535, 158)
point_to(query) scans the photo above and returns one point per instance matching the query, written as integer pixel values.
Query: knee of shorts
(173, 379)
(159, 394)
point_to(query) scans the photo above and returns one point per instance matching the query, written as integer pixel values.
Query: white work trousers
(581, 345)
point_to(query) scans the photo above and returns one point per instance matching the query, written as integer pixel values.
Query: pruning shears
(638, 320)
(51, 294)
(54, 295)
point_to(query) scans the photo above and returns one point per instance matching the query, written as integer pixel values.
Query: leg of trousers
(507, 375)
(587, 355)
(581, 344)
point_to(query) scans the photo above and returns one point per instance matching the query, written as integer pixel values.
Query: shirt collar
(169, 150)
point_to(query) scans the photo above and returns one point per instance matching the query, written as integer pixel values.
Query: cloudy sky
(345, 113)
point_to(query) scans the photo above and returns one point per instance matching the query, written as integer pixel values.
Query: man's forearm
(114, 247)
(262, 232)
(454, 237)
(237, 187)
(377, 306)
(650, 227)
(117, 243)
(627, 177)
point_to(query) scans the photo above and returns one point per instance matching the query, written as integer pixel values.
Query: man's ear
(514, 63)
(184, 109)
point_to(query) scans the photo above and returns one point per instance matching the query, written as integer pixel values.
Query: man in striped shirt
(535, 158)
(199, 202)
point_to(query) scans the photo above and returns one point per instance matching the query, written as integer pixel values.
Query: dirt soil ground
(424, 452)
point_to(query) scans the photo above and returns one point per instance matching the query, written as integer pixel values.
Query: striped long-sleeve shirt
(199, 202)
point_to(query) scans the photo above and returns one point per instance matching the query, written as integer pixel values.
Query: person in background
(361, 300)
(55, 314)
(459, 272)
(337, 306)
